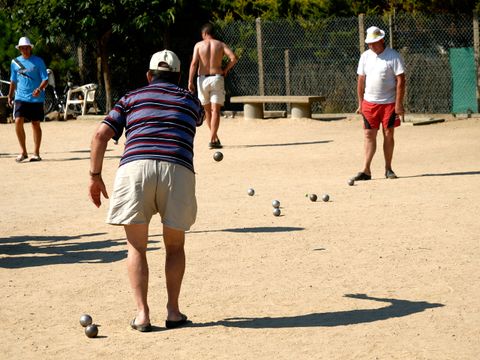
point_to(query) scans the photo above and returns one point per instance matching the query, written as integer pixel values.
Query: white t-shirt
(380, 71)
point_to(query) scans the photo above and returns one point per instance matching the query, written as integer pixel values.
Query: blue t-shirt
(29, 78)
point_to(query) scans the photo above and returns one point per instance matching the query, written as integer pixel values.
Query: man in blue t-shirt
(28, 80)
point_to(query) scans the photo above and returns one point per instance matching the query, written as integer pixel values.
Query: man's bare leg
(20, 131)
(370, 146)
(215, 122)
(388, 146)
(137, 238)
(208, 114)
(37, 137)
(174, 269)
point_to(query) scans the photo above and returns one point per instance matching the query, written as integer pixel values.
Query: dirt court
(387, 269)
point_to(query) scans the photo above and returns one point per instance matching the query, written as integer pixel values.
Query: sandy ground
(387, 269)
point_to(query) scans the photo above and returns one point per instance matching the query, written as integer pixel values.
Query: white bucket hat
(165, 60)
(374, 34)
(24, 41)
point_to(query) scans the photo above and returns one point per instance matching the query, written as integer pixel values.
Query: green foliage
(314, 9)
(128, 31)
(7, 45)
(276, 9)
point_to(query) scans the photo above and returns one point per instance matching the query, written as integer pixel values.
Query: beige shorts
(211, 89)
(143, 188)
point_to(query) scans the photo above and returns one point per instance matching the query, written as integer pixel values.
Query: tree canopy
(96, 20)
(122, 33)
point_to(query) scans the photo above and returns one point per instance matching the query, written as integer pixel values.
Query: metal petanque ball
(325, 197)
(276, 212)
(313, 197)
(276, 204)
(218, 156)
(85, 320)
(351, 182)
(91, 331)
(251, 192)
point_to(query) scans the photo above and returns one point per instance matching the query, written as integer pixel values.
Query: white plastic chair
(81, 96)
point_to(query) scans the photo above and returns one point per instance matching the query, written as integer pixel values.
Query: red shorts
(374, 114)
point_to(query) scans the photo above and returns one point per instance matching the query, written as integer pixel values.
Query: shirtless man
(207, 57)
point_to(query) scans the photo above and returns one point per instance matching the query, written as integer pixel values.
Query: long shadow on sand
(76, 158)
(397, 308)
(282, 144)
(459, 173)
(30, 251)
(47, 156)
(257, 229)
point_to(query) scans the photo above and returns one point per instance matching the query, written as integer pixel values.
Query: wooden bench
(253, 105)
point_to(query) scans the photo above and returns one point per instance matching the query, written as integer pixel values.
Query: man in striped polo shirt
(156, 175)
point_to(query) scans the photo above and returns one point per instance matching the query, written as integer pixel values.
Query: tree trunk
(98, 63)
(167, 37)
(103, 52)
(81, 65)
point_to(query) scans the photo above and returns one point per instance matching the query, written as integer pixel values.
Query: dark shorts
(28, 110)
(374, 114)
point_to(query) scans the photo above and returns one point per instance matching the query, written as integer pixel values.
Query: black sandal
(362, 176)
(215, 144)
(171, 324)
(141, 328)
(389, 174)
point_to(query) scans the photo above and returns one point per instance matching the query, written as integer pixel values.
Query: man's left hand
(399, 110)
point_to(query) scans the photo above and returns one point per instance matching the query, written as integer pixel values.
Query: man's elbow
(103, 134)
(100, 139)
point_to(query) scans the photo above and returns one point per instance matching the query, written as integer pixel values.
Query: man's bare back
(210, 54)
(207, 60)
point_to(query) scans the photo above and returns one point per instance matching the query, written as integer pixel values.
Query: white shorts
(143, 188)
(211, 89)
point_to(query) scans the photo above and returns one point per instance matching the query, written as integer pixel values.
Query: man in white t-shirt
(380, 90)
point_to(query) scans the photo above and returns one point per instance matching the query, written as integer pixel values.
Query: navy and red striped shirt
(160, 122)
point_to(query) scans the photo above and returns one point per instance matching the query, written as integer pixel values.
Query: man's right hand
(96, 189)
(191, 87)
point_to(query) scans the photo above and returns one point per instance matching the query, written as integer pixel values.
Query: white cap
(165, 60)
(374, 34)
(24, 41)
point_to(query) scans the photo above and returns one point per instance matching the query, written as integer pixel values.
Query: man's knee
(370, 134)
(174, 239)
(216, 108)
(389, 132)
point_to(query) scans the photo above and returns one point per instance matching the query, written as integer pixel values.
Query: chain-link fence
(293, 57)
(304, 58)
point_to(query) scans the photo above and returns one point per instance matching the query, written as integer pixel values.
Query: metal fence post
(287, 75)
(476, 44)
(261, 83)
(390, 30)
(361, 32)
